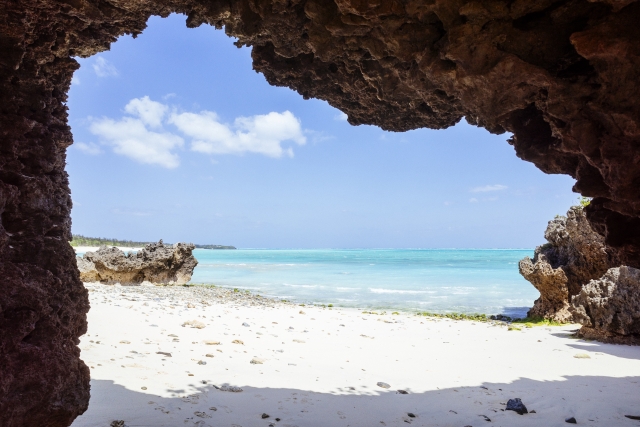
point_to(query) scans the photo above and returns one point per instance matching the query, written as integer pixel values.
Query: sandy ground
(83, 249)
(320, 367)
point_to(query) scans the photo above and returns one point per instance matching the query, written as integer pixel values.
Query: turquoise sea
(437, 280)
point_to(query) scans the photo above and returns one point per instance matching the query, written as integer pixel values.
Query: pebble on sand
(582, 356)
(257, 361)
(571, 420)
(383, 385)
(208, 342)
(516, 405)
(194, 324)
(232, 389)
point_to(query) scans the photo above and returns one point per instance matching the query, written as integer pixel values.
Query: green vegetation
(584, 201)
(330, 305)
(80, 240)
(456, 316)
(530, 322)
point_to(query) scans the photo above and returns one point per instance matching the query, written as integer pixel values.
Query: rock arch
(560, 74)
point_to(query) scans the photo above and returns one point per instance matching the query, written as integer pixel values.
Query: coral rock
(609, 307)
(156, 263)
(574, 255)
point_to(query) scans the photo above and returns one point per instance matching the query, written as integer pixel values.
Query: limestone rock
(609, 307)
(88, 272)
(573, 255)
(156, 262)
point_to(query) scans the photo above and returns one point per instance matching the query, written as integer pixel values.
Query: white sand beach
(314, 366)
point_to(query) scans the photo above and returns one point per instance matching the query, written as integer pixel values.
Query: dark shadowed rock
(574, 255)
(609, 307)
(156, 263)
(517, 406)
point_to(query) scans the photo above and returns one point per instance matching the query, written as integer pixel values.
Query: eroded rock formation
(573, 255)
(560, 74)
(609, 307)
(155, 263)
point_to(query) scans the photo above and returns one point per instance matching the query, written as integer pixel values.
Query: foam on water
(470, 281)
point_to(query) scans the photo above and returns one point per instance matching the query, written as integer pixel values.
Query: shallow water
(449, 280)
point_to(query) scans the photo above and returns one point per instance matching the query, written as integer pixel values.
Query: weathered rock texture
(155, 263)
(609, 307)
(574, 255)
(560, 74)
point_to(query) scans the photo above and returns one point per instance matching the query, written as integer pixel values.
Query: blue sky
(176, 137)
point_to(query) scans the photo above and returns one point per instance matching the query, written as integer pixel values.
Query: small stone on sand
(517, 406)
(194, 324)
(383, 385)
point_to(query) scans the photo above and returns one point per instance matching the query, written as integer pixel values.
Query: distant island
(80, 240)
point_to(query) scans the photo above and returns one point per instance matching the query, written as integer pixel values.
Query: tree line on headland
(80, 240)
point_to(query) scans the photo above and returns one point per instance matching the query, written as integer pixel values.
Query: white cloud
(130, 136)
(88, 148)
(141, 134)
(341, 117)
(261, 134)
(473, 200)
(487, 188)
(104, 68)
(150, 112)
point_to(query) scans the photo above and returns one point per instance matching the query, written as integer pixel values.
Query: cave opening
(389, 59)
(355, 184)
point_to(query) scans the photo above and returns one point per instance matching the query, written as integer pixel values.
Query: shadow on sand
(205, 406)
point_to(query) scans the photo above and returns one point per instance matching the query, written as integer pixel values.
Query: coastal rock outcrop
(155, 263)
(573, 255)
(609, 307)
(560, 75)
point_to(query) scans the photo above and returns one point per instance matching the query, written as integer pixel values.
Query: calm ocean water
(450, 280)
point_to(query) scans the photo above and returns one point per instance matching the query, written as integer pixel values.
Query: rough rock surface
(574, 255)
(609, 307)
(155, 263)
(560, 74)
